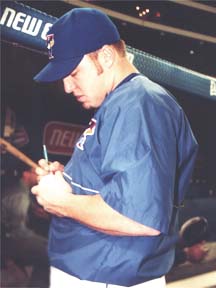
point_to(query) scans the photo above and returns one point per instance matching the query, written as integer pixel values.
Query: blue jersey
(138, 154)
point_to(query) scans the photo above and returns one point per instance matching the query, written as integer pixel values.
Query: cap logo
(50, 43)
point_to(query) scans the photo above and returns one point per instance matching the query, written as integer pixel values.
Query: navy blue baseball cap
(76, 33)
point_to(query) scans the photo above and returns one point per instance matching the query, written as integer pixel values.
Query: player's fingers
(44, 164)
(56, 166)
(41, 172)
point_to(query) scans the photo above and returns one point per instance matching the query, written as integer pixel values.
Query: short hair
(94, 57)
(119, 46)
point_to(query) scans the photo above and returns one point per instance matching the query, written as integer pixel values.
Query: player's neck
(121, 71)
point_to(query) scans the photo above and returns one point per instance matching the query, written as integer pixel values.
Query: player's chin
(86, 105)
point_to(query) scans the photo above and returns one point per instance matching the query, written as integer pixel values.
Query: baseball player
(115, 205)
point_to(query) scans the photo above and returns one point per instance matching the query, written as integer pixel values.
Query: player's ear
(107, 56)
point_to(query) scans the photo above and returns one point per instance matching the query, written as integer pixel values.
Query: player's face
(86, 84)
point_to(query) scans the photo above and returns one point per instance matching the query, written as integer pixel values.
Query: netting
(175, 76)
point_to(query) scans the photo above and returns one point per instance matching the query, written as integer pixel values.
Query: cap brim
(57, 70)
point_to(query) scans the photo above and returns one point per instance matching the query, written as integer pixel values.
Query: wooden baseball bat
(17, 153)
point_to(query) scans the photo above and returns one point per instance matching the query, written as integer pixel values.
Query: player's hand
(52, 192)
(46, 168)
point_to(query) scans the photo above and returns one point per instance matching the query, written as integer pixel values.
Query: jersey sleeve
(139, 162)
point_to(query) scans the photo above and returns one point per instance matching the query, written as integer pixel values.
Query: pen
(45, 153)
